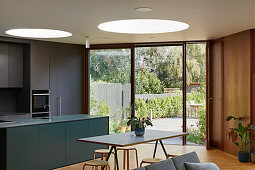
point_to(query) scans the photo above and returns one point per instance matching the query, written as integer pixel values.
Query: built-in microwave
(40, 103)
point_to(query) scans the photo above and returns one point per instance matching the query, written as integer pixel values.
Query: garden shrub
(164, 107)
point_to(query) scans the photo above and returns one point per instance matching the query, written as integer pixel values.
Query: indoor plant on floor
(240, 137)
(252, 142)
(139, 124)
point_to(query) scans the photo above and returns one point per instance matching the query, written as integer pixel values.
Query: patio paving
(172, 124)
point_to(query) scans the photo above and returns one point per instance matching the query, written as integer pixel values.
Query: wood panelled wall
(231, 63)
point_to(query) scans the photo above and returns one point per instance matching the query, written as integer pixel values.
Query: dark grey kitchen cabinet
(77, 151)
(3, 65)
(95, 129)
(52, 145)
(22, 148)
(11, 65)
(49, 144)
(40, 68)
(65, 78)
(15, 65)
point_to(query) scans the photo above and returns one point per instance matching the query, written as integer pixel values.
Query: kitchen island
(49, 143)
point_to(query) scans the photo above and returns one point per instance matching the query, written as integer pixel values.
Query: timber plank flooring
(224, 160)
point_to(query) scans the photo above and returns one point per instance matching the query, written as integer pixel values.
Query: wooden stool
(104, 154)
(96, 164)
(150, 161)
(126, 150)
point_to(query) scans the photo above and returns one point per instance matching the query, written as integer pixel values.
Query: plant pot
(129, 128)
(243, 157)
(139, 131)
(122, 129)
(253, 157)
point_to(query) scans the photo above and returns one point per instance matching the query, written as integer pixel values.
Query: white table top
(129, 138)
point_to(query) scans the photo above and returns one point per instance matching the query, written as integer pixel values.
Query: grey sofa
(176, 163)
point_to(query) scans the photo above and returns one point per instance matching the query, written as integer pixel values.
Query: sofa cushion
(180, 160)
(201, 166)
(162, 165)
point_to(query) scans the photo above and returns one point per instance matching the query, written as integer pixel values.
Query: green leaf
(231, 117)
(240, 127)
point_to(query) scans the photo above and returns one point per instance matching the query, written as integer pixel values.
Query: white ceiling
(208, 19)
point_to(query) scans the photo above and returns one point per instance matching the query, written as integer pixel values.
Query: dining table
(130, 139)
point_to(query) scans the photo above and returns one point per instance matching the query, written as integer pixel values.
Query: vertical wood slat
(252, 65)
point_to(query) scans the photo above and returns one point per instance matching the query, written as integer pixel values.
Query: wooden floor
(222, 159)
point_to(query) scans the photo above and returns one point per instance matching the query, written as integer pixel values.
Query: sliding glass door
(196, 92)
(168, 85)
(159, 87)
(110, 88)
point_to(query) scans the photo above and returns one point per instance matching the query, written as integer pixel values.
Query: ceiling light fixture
(143, 26)
(87, 44)
(38, 33)
(143, 9)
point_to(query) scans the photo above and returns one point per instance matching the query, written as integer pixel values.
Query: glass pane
(158, 82)
(110, 88)
(196, 92)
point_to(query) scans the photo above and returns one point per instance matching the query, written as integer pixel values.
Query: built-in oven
(40, 103)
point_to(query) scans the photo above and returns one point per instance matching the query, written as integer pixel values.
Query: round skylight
(143, 26)
(38, 33)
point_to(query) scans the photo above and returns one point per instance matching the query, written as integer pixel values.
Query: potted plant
(139, 124)
(240, 137)
(252, 143)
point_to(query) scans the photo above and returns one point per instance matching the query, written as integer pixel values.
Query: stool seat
(151, 160)
(96, 163)
(104, 154)
(172, 155)
(126, 151)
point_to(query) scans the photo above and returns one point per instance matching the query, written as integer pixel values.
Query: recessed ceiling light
(38, 33)
(143, 26)
(143, 9)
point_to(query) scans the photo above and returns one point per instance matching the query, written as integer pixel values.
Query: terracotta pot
(122, 129)
(129, 128)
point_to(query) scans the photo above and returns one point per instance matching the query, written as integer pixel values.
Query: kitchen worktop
(54, 119)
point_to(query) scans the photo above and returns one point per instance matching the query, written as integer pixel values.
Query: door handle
(59, 99)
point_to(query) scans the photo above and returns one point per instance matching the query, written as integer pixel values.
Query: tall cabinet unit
(11, 65)
(3, 65)
(233, 85)
(65, 78)
(40, 66)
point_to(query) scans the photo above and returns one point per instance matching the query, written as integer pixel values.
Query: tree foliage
(147, 83)
(156, 67)
(111, 66)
